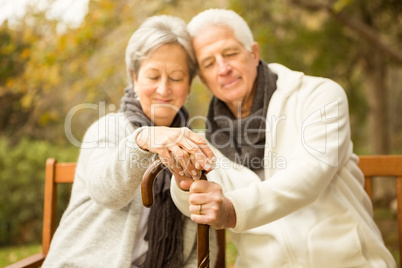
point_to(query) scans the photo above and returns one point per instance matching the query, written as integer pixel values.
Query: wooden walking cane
(148, 200)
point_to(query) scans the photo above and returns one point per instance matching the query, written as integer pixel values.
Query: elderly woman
(105, 224)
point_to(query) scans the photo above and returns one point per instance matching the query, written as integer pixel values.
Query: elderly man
(286, 182)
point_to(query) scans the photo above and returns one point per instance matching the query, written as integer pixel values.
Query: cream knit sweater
(99, 226)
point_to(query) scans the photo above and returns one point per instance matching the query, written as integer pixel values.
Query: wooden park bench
(58, 173)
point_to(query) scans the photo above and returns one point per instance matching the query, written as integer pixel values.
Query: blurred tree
(377, 27)
(79, 72)
(15, 47)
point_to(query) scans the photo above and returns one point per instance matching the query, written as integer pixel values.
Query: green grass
(231, 253)
(388, 224)
(9, 255)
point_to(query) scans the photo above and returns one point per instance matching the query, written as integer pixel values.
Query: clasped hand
(185, 153)
(180, 149)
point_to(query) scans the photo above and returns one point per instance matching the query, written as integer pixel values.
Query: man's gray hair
(229, 18)
(153, 33)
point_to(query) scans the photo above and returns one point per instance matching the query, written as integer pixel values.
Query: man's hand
(208, 205)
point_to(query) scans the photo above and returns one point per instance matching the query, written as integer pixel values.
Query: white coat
(311, 210)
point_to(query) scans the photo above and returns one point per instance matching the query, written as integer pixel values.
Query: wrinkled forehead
(214, 39)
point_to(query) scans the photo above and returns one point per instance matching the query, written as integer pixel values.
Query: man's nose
(223, 66)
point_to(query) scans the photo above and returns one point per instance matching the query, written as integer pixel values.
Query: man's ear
(255, 52)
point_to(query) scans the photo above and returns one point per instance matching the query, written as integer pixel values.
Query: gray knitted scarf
(243, 140)
(165, 223)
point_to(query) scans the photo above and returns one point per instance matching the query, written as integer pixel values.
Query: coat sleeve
(316, 134)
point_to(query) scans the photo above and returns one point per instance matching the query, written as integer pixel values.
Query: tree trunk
(376, 87)
(378, 120)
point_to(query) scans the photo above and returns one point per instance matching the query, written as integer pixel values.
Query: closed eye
(175, 79)
(231, 54)
(208, 64)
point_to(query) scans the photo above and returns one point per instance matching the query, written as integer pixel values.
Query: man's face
(226, 67)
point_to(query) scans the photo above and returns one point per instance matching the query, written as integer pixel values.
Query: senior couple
(282, 175)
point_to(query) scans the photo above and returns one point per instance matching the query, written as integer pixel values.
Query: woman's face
(163, 83)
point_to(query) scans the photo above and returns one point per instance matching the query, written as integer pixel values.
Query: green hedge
(22, 175)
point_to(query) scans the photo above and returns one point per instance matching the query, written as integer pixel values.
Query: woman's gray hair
(153, 33)
(229, 18)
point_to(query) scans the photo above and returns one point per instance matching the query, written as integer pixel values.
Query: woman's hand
(208, 205)
(180, 149)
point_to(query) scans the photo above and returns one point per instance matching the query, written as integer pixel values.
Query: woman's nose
(163, 88)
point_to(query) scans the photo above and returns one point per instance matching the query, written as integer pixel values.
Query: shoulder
(322, 90)
(305, 86)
